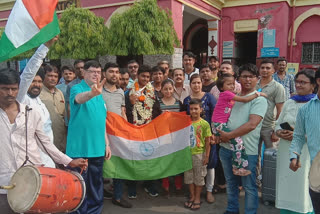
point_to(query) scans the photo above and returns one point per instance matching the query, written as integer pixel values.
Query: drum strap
(26, 124)
(59, 166)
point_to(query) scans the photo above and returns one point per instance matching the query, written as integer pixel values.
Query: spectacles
(247, 76)
(300, 82)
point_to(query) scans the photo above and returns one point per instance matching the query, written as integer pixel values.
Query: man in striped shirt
(308, 127)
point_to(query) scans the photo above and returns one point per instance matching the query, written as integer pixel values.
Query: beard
(34, 95)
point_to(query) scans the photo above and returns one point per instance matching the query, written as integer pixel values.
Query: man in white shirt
(188, 61)
(29, 91)
(181, 90)
(13, 152)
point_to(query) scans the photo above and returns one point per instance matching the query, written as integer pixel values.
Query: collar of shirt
(269, 83)
(47, 90)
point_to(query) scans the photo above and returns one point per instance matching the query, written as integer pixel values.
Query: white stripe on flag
(20, 27)
(159, 147)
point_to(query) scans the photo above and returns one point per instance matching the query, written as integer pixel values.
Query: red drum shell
(46, 190)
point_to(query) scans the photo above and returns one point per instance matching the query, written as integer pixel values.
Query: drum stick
(82, 168)
(298, 158)
(8, 187)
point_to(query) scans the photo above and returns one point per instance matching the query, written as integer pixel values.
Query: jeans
(315, 198)
(233, 181)
(93, 201)
(117, 188)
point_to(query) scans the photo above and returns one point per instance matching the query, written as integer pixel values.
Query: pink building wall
(275, 15)
(308, 31)
(278, 16)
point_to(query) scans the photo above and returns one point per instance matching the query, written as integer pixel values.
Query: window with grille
(311, 53)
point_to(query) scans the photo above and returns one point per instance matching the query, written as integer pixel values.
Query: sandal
(217, 189)
(195, 208)
(188, 204)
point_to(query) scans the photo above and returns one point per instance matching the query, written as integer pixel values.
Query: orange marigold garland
(143, 108)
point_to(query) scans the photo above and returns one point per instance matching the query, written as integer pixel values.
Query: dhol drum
(46, 190)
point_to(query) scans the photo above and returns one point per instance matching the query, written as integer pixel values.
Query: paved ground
(163, 205)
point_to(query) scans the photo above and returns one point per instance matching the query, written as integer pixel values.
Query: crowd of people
(234, 112)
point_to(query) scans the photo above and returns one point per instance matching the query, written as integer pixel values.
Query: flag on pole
(30, 24)
(156, 150)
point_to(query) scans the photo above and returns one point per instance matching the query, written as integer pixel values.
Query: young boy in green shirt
(200, 150)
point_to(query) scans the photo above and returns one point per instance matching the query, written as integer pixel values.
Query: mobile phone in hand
(286, 126)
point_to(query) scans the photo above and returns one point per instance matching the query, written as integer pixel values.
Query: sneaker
(122, 203)
(152, 192)
(132, 196)
(107, 195)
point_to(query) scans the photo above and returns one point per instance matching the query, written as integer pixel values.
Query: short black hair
(226, 62)
(110, 65)
(67, 68)
(204, 66)
(92, 63)
(9, 77)
(189, 54)
(251, 68)
(132, 61)
(222, 79)
(156, 69)
(281, 60)
(265, 61)
(194, 76)
(178, 69)
(213, 57)
(163, 62)
(143, 69)
(124, 71)
(309, 73)
(77, 62)
(49, 68)
(195, 101)
(40, 73)
(167, 81)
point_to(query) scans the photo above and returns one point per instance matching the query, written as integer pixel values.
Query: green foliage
(82, 35)
(144, 29)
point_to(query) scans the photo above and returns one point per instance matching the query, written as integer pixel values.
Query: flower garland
(144, 106)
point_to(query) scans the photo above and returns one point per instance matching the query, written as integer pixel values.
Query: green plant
(144, 29)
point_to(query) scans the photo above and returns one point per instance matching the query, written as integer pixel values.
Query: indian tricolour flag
(31, 23)
(152, 151)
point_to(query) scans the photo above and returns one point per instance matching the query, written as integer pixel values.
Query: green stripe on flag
(157, 168)
(7, 50)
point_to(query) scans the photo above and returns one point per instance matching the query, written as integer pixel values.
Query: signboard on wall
(227, 51)
(292, 68)
(269, 52)
(269, 38)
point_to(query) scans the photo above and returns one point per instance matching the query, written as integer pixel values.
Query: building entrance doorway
(246, 48)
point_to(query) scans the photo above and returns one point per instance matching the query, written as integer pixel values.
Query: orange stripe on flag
(41, 11)
(164, 124)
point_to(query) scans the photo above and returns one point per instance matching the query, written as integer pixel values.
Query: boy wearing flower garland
(200, 150)
(142, 107)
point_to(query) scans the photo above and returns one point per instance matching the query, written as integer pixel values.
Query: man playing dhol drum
(13, 141)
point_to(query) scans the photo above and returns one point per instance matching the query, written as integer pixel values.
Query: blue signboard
(269, 52)
(269, 38)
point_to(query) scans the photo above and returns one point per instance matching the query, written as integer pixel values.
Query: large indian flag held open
(30, 24)
(152, 151)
